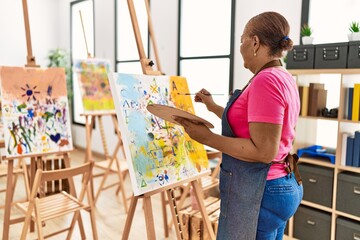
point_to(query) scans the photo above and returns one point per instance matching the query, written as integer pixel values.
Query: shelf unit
(337, 167)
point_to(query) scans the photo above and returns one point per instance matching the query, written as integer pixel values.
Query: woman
(258, 194)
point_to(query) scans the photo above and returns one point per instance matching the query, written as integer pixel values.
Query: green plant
(354, 27)
(60, 58)
(306, 31)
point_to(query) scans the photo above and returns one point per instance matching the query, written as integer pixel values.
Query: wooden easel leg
(181, 201)
(199, 197)
(103, 180)
(175, 214)
(33, 165)
(89, 123)
(150, 227)
(130, 217)
(163, 205)
(121, 184)
(7, 209)
(114, 156)
(26, 178)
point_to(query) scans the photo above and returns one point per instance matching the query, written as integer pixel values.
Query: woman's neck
(261, 62)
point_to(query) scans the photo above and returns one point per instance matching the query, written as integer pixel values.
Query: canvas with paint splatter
(92, 77)
(159, 153)
(35, 111)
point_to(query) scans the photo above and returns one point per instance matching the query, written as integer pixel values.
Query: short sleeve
(266, 101)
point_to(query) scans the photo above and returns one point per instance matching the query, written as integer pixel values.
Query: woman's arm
(205, 97)
(262, 146)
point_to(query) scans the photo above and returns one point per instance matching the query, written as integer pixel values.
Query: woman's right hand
(204, 96)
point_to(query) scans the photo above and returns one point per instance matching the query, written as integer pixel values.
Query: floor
(110, 213)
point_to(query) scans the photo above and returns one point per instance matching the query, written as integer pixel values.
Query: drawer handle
(312, 180)
(310, 222)
(357, 190)
(356, 236)
(331, 53)
(300, 55)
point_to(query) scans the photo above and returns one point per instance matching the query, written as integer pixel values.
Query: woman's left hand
(196, 130)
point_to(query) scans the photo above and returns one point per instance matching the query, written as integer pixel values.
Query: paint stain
(55, 138)
(63, 142)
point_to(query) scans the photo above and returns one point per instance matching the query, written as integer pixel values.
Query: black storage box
(318, 183)
(301, 57)
(332, 55)
(286, 230)
(348, 193)
(347, 229)
(354, 55)
(310, 224)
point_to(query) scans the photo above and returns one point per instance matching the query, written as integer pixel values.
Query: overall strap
(290, 163)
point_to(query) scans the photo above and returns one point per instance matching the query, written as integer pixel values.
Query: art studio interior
(101, 99)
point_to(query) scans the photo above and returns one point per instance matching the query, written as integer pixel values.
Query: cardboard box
(332, 55)
(348, 193)
(301, 57)
(310, 222)
(318, 183)
(347, 228)
(354, 55)
(198, 230)
(187, 213)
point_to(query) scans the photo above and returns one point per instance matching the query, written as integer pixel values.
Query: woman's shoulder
(275, 74)
(275, 71)
(276, 77)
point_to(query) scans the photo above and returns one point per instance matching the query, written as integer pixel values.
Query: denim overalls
(241, 190)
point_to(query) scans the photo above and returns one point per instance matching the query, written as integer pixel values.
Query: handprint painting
(35, 111)
(159, 153)
(92, 77)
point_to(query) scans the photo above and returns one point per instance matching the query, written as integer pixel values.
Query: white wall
(245, 10)
(50, 26)
(166, 29)
(44, 23)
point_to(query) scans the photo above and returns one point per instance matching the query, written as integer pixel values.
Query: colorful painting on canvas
(159, 153)
(92, 77)
(35, 111)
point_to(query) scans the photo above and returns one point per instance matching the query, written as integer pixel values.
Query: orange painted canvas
(92, 77)
(159, 153)
(35, 111)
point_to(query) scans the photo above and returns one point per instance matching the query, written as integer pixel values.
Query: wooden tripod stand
(111, 164)
(146, 65)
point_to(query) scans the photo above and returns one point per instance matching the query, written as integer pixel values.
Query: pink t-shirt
(271, 97)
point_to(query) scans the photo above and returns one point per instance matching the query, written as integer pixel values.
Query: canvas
(35, 111)
(1, 125)
(159, 153)
(92, 77)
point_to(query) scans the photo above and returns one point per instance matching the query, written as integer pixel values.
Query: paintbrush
(207, 94)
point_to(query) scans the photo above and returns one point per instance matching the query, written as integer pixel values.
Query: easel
(108, 163)
(146, 65)
(35, 159)
(30, 58)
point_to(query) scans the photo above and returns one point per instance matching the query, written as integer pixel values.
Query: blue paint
(49, 90)
(31, 113)
(128, 82)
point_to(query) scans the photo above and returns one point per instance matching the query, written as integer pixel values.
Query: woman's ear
(256, 42)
